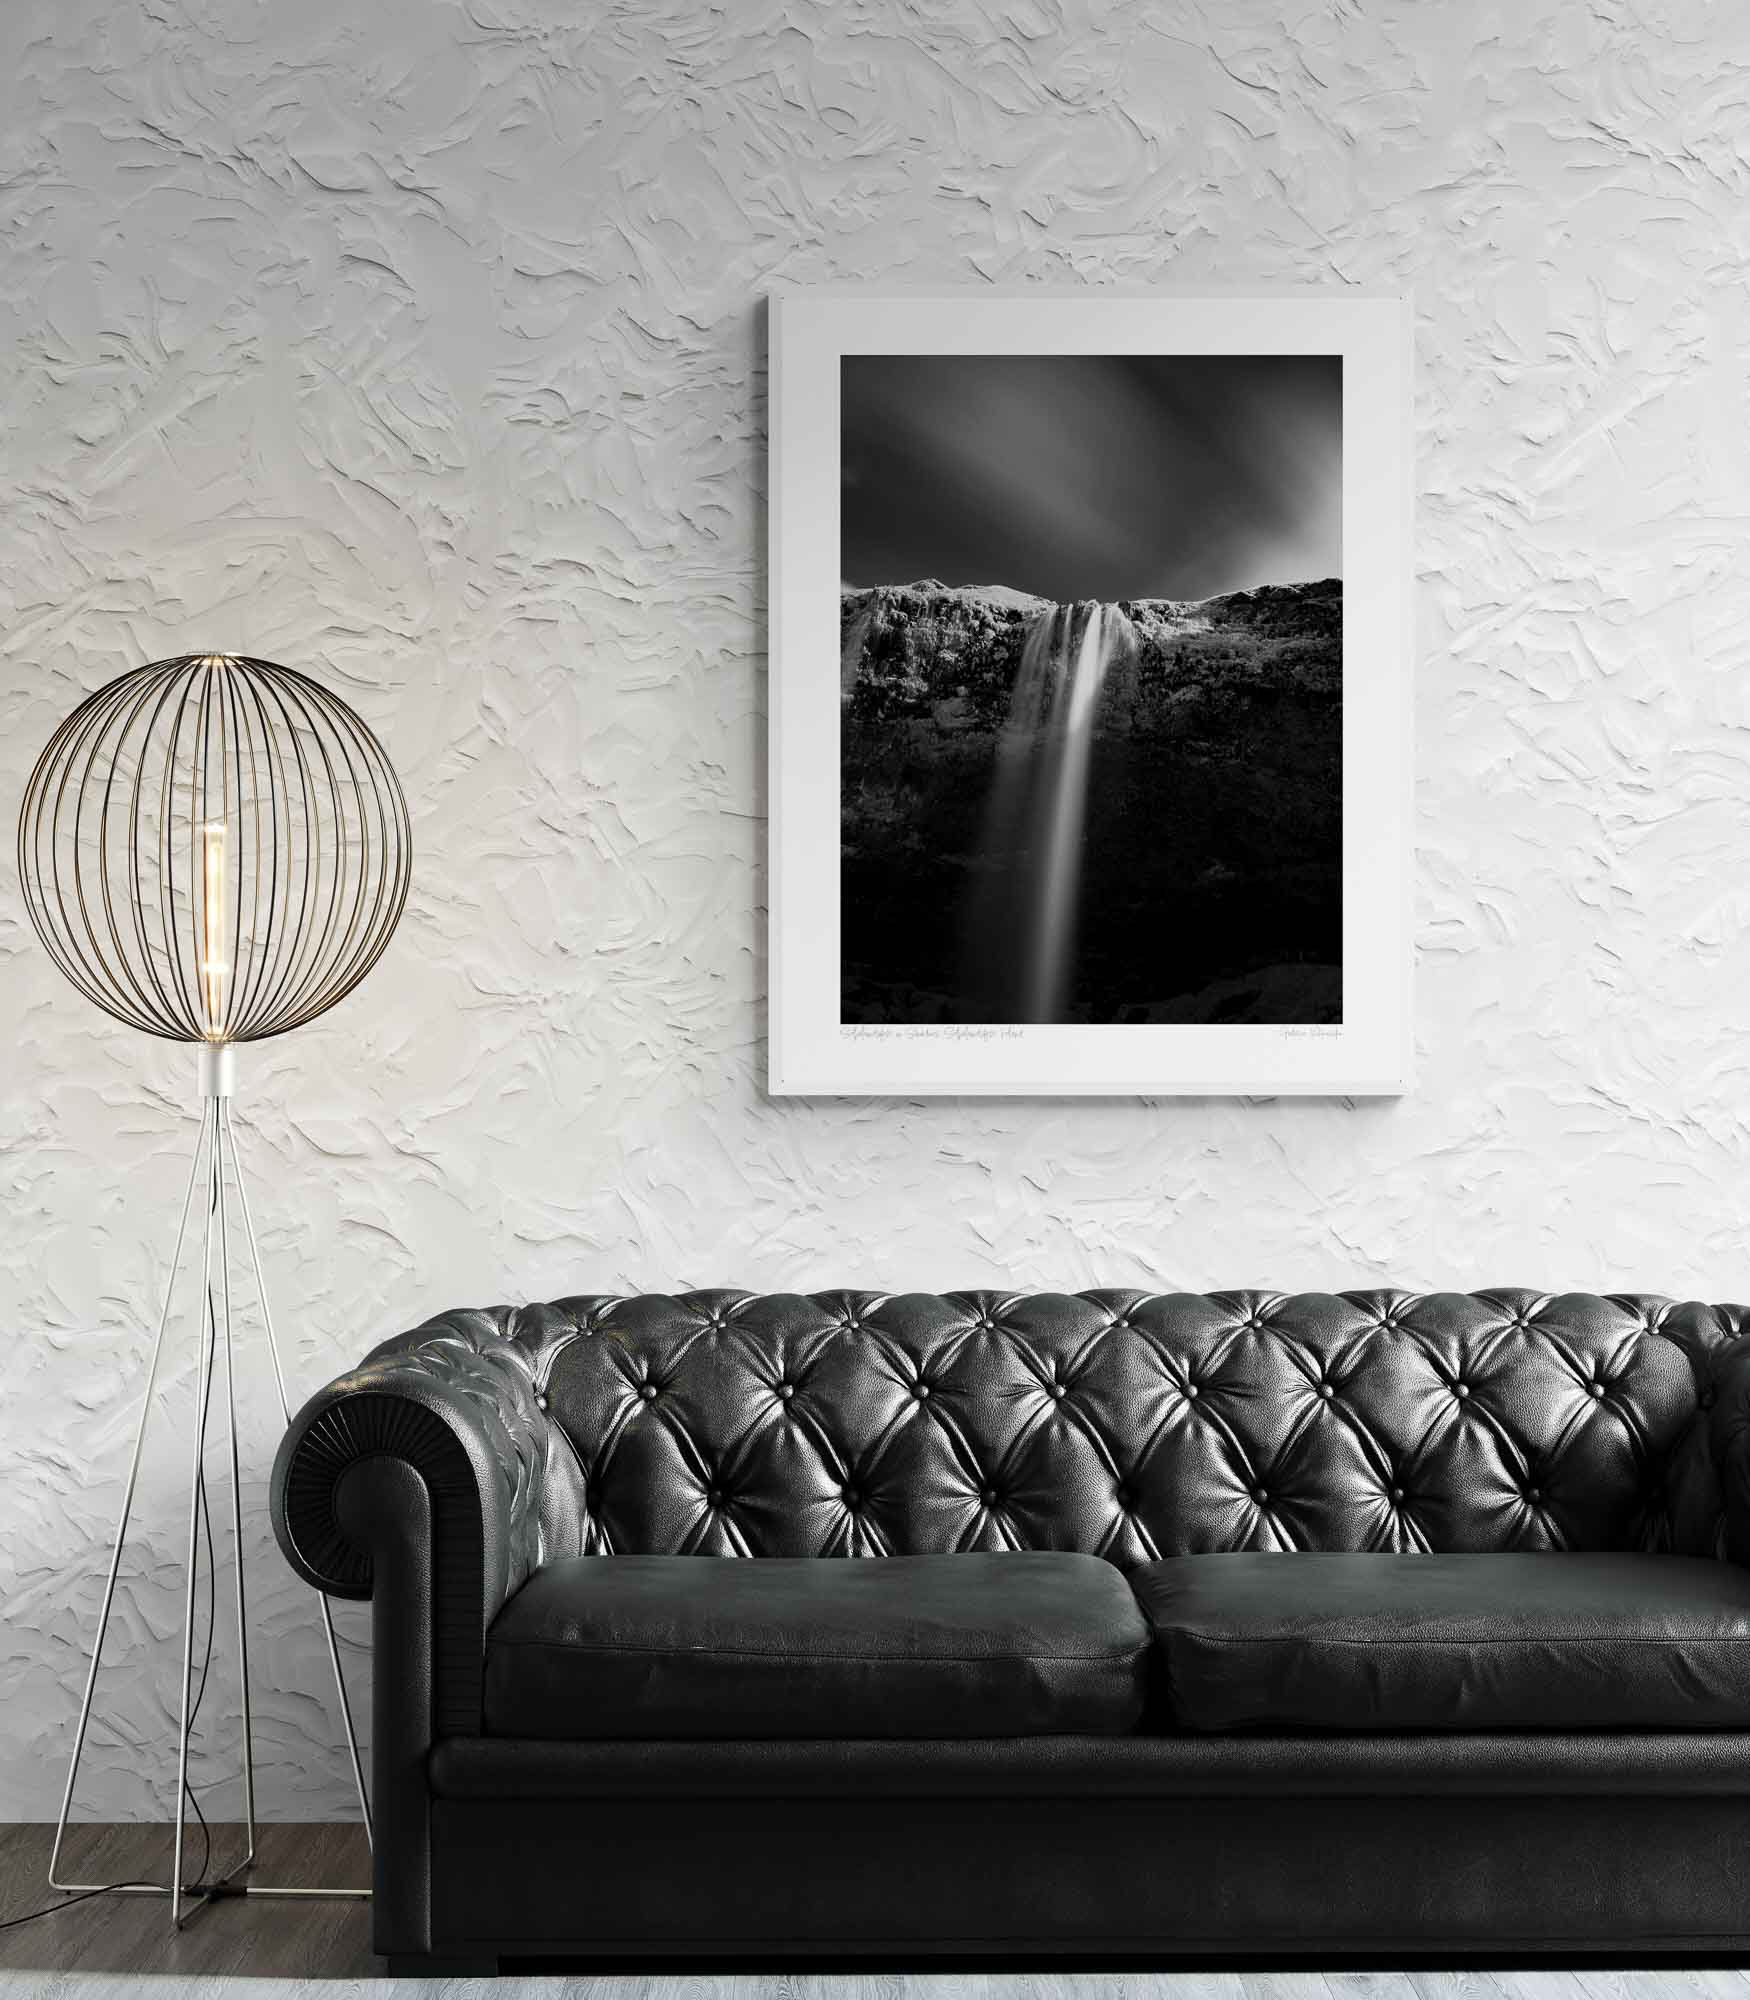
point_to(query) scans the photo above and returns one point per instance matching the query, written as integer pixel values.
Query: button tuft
(1397, 1496)
(648, 1392)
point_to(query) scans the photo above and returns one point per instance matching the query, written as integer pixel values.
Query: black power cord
(198, 1887)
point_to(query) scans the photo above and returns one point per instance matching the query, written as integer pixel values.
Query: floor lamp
(213, 849)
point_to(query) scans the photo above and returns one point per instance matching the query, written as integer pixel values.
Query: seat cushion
(712, 1646)
(1374, 1642)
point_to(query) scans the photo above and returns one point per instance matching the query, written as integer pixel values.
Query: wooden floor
(240, 1950)
(132, 1934)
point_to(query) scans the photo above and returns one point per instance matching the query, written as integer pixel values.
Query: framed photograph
(1090, 693)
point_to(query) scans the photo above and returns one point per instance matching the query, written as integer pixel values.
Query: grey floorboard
(1368, 1985)
(30, 1985)
(1469, 1985)
(1540, 1985)
(1283, 1986)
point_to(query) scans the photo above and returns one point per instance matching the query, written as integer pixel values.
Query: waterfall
(1022, 932)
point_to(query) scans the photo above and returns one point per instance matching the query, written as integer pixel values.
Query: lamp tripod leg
(121, 1526)
(196, 1503)
(352, 1744)
(223, 1207)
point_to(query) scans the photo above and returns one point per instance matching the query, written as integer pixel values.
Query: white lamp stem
(218, 1062)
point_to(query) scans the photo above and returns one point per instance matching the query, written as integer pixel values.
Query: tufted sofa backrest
(1129, 1425)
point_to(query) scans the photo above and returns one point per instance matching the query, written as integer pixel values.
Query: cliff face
(1212, 853)
(907, 647)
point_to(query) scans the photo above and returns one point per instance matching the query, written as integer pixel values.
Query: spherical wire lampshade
(214, 848)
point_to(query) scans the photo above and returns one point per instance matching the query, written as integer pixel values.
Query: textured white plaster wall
(419, 343)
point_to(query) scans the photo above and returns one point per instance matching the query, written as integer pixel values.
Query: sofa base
(403, 1965)
(1452, 1877)
(631, 1957)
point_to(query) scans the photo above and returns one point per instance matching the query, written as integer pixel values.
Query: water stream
(1022, 929)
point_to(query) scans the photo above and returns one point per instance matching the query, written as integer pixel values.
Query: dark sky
(1076, 476)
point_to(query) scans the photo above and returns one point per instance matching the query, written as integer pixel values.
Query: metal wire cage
(214, 848)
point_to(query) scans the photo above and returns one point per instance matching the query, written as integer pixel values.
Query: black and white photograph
(1091, 688)
(1090, 693)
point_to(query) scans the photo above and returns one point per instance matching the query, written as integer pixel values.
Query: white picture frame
(813, 1051)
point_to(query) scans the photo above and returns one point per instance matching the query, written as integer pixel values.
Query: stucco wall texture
(420, 345)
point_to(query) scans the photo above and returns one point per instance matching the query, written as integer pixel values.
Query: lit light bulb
(213, 966)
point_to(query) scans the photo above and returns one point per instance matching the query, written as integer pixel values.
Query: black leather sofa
(1233, 1624)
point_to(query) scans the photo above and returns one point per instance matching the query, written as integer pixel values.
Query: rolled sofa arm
(1729, 1437)
(427, 1480)
(454, 1403)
